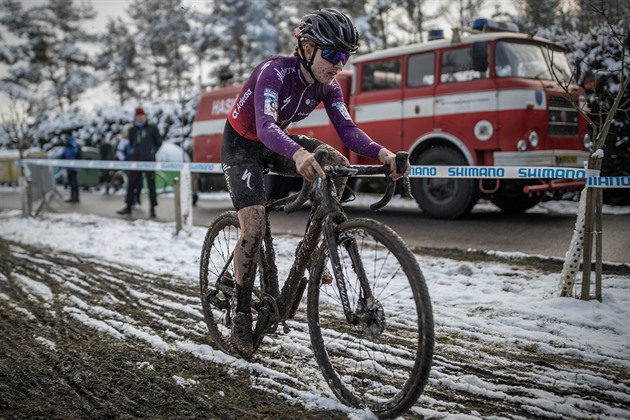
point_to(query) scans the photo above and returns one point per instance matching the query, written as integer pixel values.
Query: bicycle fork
(368, 312)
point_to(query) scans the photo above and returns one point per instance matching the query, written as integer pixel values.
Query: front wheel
(377, 352)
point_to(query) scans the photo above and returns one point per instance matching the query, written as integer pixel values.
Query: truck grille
(563, 118)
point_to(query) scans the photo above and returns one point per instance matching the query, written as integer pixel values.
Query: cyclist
(281, 90)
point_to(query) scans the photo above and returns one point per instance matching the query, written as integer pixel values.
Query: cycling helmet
(329, 28)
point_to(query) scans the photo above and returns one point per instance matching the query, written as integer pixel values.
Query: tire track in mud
(116, 338)
(97, 339)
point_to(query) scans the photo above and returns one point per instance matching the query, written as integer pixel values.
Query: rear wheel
(378, 354)
(217, 263)
(216, 282)
(444, 198)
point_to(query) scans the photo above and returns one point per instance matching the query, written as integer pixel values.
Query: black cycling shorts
(245, 162)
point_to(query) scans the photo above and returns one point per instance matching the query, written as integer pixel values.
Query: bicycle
(368, 308)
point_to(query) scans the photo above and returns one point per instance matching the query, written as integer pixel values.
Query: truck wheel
(444, 198)
(511, 199)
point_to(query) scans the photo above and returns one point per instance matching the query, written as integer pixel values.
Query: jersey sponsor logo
(286, 102)
(262, 69)
(247, 176)
(271, 105)
(282, 73)
(228, 179)
(240, 103)
(341, 107)
(277, 129)
(271, 93)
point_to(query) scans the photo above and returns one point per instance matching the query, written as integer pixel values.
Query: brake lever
(401, 167)
(401, 162)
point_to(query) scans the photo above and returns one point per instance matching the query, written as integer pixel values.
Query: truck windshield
(530, 61)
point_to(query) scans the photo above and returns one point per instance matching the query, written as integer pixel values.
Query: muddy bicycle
(368, 308)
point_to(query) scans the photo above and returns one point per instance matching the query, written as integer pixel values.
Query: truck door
(377, 104)
(418, 97)
(466, 98)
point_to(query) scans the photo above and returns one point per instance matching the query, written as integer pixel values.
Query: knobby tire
(216, 258)
(382, 361)
(216, 254)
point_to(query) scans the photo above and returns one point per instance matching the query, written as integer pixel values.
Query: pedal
(226, 280)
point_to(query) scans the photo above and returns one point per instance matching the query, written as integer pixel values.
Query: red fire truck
(484, 99)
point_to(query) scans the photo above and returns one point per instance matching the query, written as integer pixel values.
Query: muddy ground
(53, 365)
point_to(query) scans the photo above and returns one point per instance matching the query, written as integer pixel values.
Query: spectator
(106, 153)
(144, 141)
(72, 151)
(123, 152)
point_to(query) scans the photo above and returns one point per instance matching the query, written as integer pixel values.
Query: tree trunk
(592, 194)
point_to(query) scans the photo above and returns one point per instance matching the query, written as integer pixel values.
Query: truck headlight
(533, 139)
(521, 145)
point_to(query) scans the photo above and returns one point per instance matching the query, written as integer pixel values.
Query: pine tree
(47, 56)
(161, 27)
(249, 34)
(462, 13)
(538, 13)
(416, 19)
(204, 40)
(118, 60)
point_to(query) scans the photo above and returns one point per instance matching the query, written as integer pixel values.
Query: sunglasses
(334, 56)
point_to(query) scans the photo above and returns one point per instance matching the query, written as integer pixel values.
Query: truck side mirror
(480, 56)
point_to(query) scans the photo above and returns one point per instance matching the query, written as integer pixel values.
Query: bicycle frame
(326, 213)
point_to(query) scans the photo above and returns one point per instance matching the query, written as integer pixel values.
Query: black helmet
(329, 28)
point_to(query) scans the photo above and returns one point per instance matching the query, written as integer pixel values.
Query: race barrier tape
(417, 171)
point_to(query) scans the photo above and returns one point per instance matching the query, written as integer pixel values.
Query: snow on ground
(491, 302)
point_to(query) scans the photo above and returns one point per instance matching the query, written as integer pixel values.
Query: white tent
(170, 152)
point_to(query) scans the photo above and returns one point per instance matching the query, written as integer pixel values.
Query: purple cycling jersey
(276, 94)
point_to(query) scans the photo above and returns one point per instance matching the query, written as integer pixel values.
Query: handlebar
(296, 201)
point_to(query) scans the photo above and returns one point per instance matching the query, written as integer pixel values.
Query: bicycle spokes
(372, 328)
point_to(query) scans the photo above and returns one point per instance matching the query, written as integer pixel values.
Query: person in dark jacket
(144, 142)
(71, 151)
